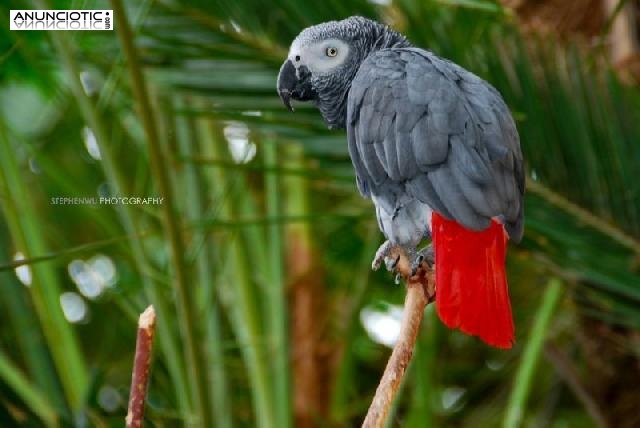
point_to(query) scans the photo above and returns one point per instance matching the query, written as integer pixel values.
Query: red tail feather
(471, 283)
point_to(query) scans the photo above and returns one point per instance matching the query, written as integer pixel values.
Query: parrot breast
(405, 223)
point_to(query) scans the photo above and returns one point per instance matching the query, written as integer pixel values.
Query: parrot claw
(398, 278)
(416, 264)
(391, 264)
(424, 255)
(381, 255)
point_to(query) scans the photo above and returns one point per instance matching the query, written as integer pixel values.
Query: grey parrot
(436, 150)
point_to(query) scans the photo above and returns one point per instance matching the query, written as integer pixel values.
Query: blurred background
(257, 259)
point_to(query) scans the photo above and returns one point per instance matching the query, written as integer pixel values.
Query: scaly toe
(381, 255)
(416, 264)
(391, 263)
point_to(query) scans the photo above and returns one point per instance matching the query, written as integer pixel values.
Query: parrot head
(324, 59)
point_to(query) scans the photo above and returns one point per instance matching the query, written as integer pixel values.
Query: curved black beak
(287, 82)
(294, 84)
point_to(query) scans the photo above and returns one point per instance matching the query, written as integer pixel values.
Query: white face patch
(319, 57)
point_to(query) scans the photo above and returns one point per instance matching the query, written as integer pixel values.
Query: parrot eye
(332, 52)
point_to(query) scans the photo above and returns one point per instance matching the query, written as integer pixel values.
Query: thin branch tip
(147, 318)
(141, 366)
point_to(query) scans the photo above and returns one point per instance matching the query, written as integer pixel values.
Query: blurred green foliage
(217, 258)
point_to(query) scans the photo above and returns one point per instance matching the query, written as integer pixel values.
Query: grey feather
(420, 187)
(454, 146)
(390, 161)
(373, 158)
(452, 196)
(476, 165)
(428, 148)
(406, 158)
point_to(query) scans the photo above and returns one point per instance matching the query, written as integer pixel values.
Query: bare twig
(420, 292)
(141, 363)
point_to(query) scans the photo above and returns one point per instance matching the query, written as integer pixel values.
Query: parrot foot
(383, 255)
(424, 255)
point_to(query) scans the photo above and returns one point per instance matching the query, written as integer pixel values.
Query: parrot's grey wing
(422, 123)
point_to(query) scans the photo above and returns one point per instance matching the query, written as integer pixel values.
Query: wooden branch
(141, 363)
(625, 47)
(420, 292)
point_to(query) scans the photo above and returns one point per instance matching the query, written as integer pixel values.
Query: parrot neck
(332, 102)
(386, 38)
(333, 107)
